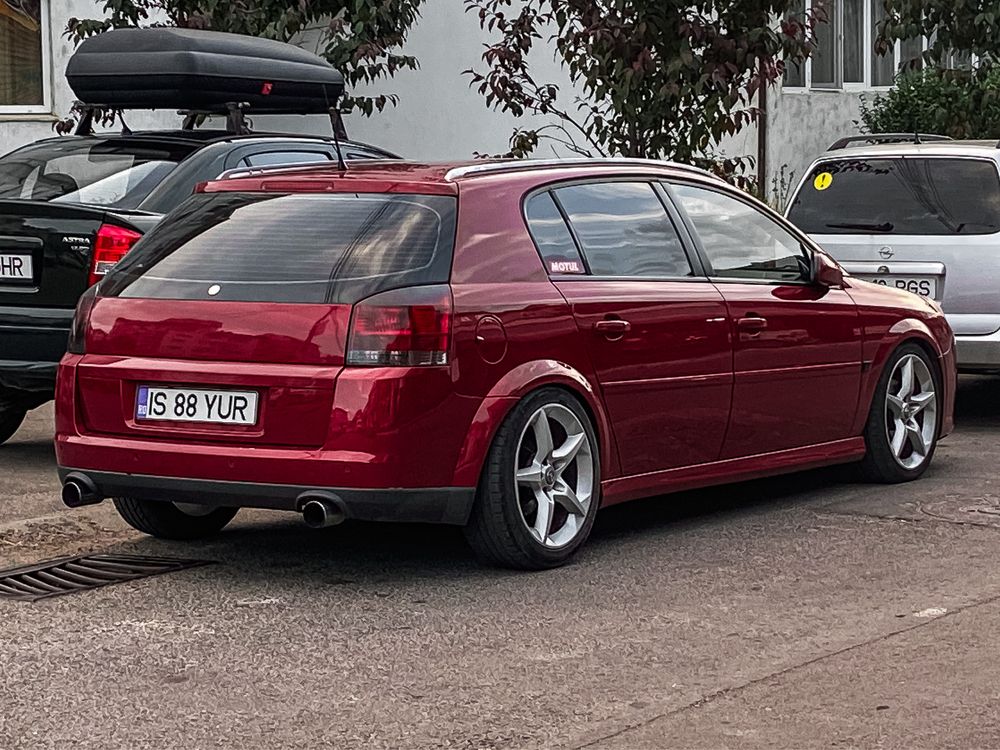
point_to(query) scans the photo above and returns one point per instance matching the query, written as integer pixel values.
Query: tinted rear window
(88, 171)
(934, 196)
(258, 247)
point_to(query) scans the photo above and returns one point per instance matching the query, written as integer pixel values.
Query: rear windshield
(261, 247)
(117, 174)
(936, 196)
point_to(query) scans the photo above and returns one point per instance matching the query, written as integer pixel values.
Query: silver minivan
(924, 217)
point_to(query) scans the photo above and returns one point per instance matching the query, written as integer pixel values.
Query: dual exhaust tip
(318, 509)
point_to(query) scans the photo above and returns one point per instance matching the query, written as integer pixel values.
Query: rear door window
(552, 236)
(624, 230)
(256, 247)
(914, 196)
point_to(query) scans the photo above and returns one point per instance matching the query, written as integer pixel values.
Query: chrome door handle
(612, 329)
(752, 324)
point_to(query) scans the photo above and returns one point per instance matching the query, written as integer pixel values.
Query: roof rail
(237, 173)
(520, 165)
(876, 138)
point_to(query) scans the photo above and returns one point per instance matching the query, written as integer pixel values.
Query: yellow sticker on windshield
(823, 181)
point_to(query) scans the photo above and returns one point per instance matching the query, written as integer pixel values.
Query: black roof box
(201, 71)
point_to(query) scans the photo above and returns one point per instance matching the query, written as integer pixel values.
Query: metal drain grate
(58, 577)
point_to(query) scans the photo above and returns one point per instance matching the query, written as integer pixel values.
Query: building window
(24, 56)
(845, 56)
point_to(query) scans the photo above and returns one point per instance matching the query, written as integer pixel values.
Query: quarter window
(23, 56)
(551, 235)
(624, 230)
(739, 241)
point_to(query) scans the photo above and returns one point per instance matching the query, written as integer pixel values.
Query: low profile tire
(11, 418)
(169, 521)
(904, 421)
(540, 486)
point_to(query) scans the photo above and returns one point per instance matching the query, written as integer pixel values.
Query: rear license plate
(925, 286)
(196, 405)
(15, 267)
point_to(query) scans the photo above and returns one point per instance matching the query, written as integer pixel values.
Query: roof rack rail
(237, 173)
(518, 165)
(876, 138)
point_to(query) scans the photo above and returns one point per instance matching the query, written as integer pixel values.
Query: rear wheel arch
(517, 385)
(528, 514)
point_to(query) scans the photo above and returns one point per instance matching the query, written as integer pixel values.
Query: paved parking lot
(801, 612)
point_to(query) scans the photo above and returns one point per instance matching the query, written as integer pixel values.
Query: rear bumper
(35, 378)
(32, 341)
(444, 505)
(978, 353)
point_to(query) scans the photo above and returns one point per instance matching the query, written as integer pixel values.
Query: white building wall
(802, 125)
(18, 130)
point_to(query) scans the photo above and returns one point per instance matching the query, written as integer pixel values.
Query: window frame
(867, 49)
(809, 248)
(677, 219)
(45, 108)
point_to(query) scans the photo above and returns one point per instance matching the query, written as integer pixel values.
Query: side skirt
(731, 470)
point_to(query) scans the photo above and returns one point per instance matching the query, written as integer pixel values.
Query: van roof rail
(876, 138)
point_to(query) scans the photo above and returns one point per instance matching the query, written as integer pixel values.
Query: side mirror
(826, 272)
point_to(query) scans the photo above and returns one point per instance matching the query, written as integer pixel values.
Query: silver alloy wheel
(194, 509)
(554, 476)
(911, 412)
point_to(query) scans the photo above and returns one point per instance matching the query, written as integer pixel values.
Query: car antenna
(338, 126)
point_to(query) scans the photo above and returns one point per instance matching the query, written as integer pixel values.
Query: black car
(71, 207)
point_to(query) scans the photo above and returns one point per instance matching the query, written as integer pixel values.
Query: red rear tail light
(402, 328)
(81, 319)
(110, 246)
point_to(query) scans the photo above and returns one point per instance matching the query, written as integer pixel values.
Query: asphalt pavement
(806, 611)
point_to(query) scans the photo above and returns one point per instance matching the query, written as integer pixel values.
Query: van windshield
(912, 196)
(97, 172)
(309, 248)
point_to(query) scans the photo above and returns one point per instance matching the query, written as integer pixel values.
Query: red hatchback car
(502, 346)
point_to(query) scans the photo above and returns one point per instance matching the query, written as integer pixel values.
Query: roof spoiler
(877, 138)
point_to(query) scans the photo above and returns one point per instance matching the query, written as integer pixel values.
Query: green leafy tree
(958, 103)
(945, 98)
(657, 78)
(361, 38)
(969, 26)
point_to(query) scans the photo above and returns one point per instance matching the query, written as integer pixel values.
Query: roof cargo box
(201, 71)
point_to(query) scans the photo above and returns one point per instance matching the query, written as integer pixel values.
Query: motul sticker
(565, 266)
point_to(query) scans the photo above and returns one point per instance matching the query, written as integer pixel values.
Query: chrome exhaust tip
(319, 511)
(78, 490)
